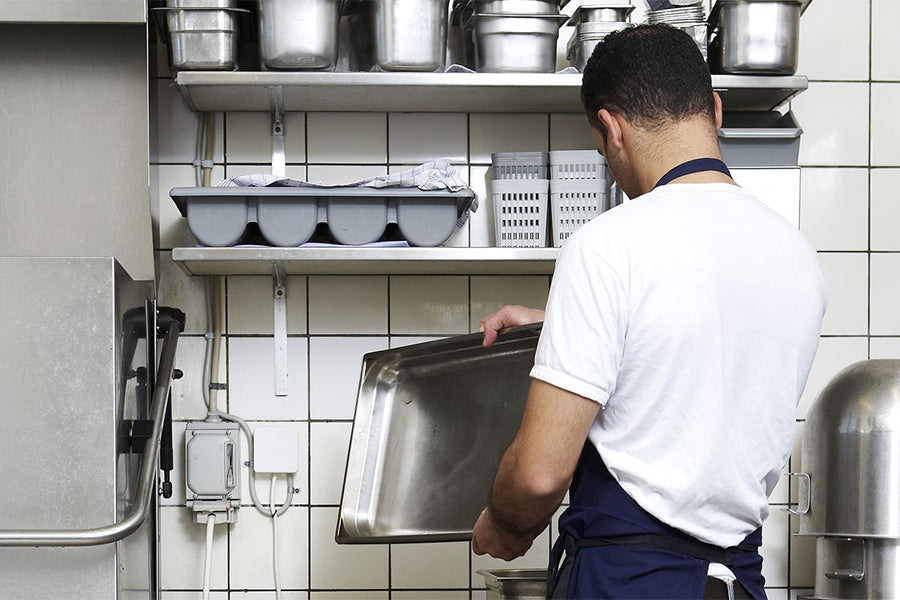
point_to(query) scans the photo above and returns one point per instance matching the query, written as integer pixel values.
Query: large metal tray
(432, 422)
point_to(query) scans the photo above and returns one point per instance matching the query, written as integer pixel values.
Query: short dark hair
(651, 74)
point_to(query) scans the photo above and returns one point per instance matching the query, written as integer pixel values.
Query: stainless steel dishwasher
(82, 408)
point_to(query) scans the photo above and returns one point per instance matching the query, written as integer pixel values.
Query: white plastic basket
(520, 212)
(574, 203)
(577, 165)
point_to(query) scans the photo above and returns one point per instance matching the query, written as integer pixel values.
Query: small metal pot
(755, 37)
(299, 34)
(516, 7)
(515, 43)
(585, 38)
(400, 35)
(607, 12)
(201, 34)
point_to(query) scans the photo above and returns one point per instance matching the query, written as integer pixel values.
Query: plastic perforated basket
(520, 212)
(576, 164)
(519, 165)
(573, 203)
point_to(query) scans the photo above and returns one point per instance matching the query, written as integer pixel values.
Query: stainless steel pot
(202, 34)
(611, 11)
(400, 35)
(753, 37)
(515, 584)
(585, 38)
(299, 34)
(515, 43)
(515, 7)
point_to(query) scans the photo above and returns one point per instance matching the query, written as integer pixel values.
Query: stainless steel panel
(67, 11)
(76, 143)
(851, 452)
(62, 401)
(432, 422)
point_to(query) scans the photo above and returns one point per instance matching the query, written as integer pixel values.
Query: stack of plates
(689, 18)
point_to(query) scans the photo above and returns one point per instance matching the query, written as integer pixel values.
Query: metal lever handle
(140, 509)
(805, 508)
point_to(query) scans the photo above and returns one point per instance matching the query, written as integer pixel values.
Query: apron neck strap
(697, 165)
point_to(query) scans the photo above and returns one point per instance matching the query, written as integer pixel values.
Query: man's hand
(509, 316)
(489, 538)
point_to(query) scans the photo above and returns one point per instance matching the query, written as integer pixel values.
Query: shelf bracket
(279, 281)
(276, 106)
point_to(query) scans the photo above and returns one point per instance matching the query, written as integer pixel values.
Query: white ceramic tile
(398, 341)
(835, 53)
(479, 594)
(187, 392)
(263, 480)
(834, 208)
(193, 595)
(348, 305)
(441, 565)
(343, 174)
(176, 127)
(177, 289)
(249, 137)
(328, 446)
(422, 595)
(847, 276)
(173, 227)
(885, 203)
(796, 463)
(499, 132)
(537, 557)
(335, 364)
(803, 559)
(835, 122)
(489, 294)
(177, 474)
(779, 495)
(570, 132)
(251, 380)
(420, 137)
(885, 42)
(252, 552)
(182, 550)
(346, 137)
(832, 356)
(777, 594)
(343, 567)
(775, 548)
(270, 595)
(885, 125)
(367, 595)
(251, 305)
(885, 299)
(429, 305)
(888, 347)
(481, 223)
(297, 172)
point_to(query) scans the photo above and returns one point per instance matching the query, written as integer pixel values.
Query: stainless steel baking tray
(432, 422)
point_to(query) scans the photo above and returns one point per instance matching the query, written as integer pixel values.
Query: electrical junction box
(212, 469)
(276, 449)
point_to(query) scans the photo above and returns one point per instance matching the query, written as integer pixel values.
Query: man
(678, 336)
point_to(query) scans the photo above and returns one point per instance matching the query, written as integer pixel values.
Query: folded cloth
(430, 176)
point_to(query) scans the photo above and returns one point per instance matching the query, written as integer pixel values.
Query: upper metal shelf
(208, 91)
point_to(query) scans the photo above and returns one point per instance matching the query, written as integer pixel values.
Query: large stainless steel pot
(400, 35)
(299, 34)
(515, 43)
(755, 36)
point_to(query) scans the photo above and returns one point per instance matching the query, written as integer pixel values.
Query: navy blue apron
(615, 549)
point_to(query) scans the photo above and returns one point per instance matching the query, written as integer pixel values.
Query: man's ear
(613, 126)
(717, 102)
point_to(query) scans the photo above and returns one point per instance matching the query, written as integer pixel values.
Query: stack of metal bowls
(501, 36)
(592, 23)
(689, 18)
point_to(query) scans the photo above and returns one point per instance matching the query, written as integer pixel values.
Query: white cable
(274, 514)
(207, 563)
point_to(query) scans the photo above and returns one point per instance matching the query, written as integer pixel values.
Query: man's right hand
(510, 315)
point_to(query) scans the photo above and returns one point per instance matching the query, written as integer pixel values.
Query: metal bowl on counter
(755, 37)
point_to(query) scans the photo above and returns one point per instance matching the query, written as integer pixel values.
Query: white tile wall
(848, 209)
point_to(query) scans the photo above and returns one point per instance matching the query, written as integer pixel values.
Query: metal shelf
(367, 261)
(436, 92)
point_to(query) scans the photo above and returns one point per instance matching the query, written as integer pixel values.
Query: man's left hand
(489, 538)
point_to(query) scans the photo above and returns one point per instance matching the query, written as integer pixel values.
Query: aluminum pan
(432, 422)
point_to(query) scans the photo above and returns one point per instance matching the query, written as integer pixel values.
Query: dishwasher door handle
(139, 511)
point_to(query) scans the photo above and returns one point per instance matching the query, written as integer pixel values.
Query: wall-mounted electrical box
(212, 468)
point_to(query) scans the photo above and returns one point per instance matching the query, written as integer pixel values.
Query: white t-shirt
(692, 315)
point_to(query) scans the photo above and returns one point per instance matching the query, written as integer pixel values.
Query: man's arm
(535, 471)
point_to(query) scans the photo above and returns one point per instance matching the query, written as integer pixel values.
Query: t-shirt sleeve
(583, 336)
